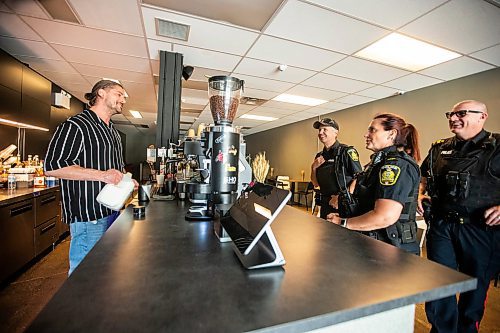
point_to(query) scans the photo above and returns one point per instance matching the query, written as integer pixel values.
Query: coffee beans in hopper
(219, 109)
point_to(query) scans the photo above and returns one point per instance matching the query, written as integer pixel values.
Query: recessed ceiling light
(135, 114)
(405, 52)
(295, 99)
(256, 117)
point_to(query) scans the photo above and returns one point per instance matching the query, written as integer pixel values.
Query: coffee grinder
(223, 148)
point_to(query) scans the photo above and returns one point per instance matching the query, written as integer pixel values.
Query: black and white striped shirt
(87, 141)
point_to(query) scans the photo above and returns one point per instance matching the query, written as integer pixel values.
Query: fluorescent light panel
(256, 117)
(405, 52)
(135, 114)
(295, 99)
(22, 125)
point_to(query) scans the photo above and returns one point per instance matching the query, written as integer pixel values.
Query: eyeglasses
(460, 113)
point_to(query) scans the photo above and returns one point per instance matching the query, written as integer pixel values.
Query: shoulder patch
(353, 154)
(437, 142)
(389, 174)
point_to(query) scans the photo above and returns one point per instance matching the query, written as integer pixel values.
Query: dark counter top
(9, 196)
(166, 274)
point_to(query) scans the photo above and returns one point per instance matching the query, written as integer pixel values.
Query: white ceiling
(249, 40)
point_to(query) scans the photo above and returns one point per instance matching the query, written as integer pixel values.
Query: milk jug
(114, 196)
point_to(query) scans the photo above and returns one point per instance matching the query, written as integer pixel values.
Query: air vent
(141, 126)
(494, 2)
(172, 29)
(59, 10)
(252, 101)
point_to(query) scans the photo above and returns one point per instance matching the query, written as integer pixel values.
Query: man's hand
(111, 176)
(317, 162)
(492, 215)
(334, 218)
(421, 197)
(136, 184)
(334, 201)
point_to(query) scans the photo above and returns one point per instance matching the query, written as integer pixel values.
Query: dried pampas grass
(260, 167)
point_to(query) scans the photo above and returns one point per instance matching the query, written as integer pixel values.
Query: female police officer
(333, 168)
(387, 190)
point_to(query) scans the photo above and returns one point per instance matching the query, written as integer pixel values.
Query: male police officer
(334, 167)
(463, 181)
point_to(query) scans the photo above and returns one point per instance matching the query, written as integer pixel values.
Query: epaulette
(438, 142)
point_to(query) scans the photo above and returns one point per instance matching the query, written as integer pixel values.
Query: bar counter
(164, 274)
(9, 196)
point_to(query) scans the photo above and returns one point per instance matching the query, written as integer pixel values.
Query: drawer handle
(47, 200)
(20, 210)
(47, 228)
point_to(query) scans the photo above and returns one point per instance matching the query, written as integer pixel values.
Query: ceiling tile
(456, 68)
(102, 14)
(257, 93)
(30, 48)
(103, 59)
(88, 38)
(270, 70)
(319, 27)
(30, 8)
(202, 33)
(13, 26)
(197, 97)
(364, 70)
(294, 54)
(382, 12)
(461, 25)
(286, 106)
(155, 46)
(252, 14)
(208, 59)
(378, 92)
(271, 112)
(68, 81)
(355, 99)
(412, 82)
(201, 73)
(337, 83)
(313, 92)
(48, 65)
(4, 8)
(264, 84)
(118, 74)
(491, 55)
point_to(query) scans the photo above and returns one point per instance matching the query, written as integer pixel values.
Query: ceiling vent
(59, 10)
(171, 29)
(494, 2)
(252, 101)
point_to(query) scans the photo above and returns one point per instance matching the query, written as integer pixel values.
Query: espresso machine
(224, 158)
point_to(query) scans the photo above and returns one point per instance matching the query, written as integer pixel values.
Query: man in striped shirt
(86, 154)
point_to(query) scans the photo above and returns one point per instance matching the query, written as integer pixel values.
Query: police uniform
(391, 174)
(340, 160)
(463, 182)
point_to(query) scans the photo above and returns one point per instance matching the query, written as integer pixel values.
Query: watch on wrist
(343, 222)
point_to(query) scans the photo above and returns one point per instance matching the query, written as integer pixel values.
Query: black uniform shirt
(385, 177)
(84, 140)
(326, 173)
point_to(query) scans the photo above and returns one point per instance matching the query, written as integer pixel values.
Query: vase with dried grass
(260, 167)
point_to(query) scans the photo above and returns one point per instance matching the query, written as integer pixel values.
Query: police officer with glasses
(461, 181)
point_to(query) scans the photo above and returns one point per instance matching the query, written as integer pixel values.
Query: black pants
(326, 209)
(473, 250)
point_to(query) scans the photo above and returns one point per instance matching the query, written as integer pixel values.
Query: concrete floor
(24, 298)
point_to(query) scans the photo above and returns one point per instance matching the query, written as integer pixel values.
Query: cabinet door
(16, 236)
(46, 235)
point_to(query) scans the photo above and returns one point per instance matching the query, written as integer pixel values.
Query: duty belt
(455, 217)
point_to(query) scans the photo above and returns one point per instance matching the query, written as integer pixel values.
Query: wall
(292, 148)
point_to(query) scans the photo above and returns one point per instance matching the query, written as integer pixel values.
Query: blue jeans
(84, 235)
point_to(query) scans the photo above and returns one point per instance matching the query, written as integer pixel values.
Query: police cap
(326, 122)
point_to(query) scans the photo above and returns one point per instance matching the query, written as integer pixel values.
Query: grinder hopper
(224, 93)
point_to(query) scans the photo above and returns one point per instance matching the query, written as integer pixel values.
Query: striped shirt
(87, 141)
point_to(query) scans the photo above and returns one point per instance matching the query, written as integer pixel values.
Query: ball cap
(326, 122)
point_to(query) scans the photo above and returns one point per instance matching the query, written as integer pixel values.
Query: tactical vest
(403, 233)
(463, 182)
(326, 173)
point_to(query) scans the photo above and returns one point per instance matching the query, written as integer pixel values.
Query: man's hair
(103, 84)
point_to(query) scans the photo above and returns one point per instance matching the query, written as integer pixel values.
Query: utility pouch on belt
(407, 231)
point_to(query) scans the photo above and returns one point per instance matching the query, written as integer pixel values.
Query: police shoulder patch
(353, 154)
(389, 174)
(437, 142)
